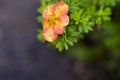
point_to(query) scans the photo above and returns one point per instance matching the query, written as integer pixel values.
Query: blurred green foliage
(101, 45)
(84, 15)
(94, 39)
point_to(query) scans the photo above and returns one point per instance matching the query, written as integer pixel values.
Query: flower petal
(48, 11)
(45, 25)
(49, 35)
(64, 19)
(58, 29)
(60, 8)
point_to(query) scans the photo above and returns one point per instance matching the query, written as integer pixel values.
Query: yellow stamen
(52, 20)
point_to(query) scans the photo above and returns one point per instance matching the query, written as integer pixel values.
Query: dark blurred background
(23, 57)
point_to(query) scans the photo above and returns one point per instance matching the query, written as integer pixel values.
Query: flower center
(52, 20)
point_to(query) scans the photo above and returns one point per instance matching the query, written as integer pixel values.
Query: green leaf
(69, 42)
(77, 15)
(65, 45)
(99, 21)
(40, 19)
(39, 35)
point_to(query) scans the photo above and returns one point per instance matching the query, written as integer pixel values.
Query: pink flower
(55, 20)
